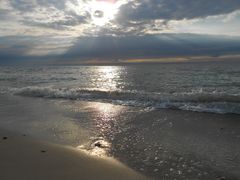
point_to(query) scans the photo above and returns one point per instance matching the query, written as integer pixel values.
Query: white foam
(194, 101)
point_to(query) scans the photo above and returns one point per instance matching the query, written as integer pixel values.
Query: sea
(166, 121)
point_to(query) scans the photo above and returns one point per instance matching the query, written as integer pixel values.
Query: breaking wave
(193, 101)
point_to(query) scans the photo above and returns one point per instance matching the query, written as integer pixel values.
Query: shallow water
(202, 87)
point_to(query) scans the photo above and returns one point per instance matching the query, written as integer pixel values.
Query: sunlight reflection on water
(108, 77)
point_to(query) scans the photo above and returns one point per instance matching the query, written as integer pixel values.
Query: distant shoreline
(127, 62)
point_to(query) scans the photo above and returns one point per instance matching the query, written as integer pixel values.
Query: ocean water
(167, 121)
(202, 87)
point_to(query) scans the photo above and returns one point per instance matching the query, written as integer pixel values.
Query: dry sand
(23, 158)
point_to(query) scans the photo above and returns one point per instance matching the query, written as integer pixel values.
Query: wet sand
(161, 144)
(24, 158)
(171, 144)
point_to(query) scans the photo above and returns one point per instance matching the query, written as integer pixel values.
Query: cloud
(115, 48)
(156, 15)
(53, 14)
(149, 46)
(30, 5)
(176, 9)
(65, 29)
(134, 16)
(21, 48)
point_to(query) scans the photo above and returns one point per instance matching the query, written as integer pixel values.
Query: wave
(194, 101)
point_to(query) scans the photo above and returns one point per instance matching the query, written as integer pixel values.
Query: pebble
(155, 170)
(180, 159)
(98, 144)
(222, 178)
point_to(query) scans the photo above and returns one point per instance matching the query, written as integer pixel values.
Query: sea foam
(191, 101)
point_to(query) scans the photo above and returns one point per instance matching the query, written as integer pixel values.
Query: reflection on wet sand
(105, 119)
(97, 147)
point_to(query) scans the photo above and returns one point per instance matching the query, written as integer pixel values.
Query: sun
(103, 11)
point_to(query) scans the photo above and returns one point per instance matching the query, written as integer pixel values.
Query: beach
(160, 121)
(25, 158)
(160, 144)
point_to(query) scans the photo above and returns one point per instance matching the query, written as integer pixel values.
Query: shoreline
(165, 144)
(25, 158)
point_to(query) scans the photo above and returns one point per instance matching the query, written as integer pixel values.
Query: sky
(112, 31)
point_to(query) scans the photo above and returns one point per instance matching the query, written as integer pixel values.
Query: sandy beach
(25, 158)
(160, 144)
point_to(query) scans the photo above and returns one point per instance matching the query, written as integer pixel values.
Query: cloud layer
(134, 16)
(150, 46)
(65, 29)
(115, 49)
(176, 9)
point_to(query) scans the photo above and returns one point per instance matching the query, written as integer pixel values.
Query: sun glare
(108, 76)
(102, 12)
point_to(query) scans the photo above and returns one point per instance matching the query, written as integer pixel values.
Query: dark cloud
(14, 48)
(164, 45)
(138, 10)
(113, 48)
(141, 16)
(21, 48)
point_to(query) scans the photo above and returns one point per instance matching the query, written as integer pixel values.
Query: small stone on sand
(98, 144)
(222, 178)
